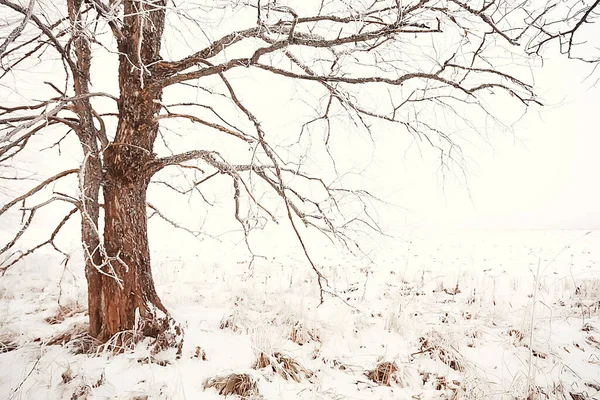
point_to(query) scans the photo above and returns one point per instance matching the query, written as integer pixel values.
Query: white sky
(543, 177)
(546, 176)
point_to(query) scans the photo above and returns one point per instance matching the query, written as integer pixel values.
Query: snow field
(494, 315)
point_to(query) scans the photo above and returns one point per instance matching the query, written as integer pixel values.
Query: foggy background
(540, 175)
(543, 177)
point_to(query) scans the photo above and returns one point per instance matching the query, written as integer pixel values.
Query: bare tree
(426, 68)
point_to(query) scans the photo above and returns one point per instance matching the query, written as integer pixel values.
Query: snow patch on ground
(461, 315)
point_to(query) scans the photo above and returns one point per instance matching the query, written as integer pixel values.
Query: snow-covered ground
(480, 315)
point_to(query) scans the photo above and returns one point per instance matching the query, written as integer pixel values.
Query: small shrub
(384, 374)
(283, 365)
(242, 385)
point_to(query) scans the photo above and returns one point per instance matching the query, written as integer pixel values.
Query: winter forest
(318, 199)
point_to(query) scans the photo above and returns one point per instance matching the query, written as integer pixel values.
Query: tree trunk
(130, 294)
(125, 293)
(90, 238)
(91, 171)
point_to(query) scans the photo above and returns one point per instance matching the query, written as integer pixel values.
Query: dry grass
(121, 342)
(171, 335)
(517, 336)
(335, 363)
(64, 312)
(592, 341)
(200, 353)
(594, 386)
(517, 339)
(85, 390)
(434, 346)
(588, 328)
(242, 385)
(302, 335)
(472, 337)
(385, 373)
(7, 343)
(153, 360)
(283, 365)
(442, 383)
(76, 338)
(230, 322)
(81, 393)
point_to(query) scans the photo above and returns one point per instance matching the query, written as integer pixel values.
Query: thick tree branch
(37, 189)
(17, 31)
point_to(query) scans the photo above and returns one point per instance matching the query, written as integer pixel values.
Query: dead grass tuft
(385, 373)
(121, 342)
(242, 385)
(81, 393)
(442, 383)
(67, 376)
(171, 336)
(446, 354)
(283, 365)
(335, 363)
(593, 341)
(594, 386)
(200, 353)
(451, 291)
(302, 335)
(588, 328)
(230, 322)
(153, 360)
(64, 312)
(76, 338)
(517, 335)
(7, 343)
(84, 390)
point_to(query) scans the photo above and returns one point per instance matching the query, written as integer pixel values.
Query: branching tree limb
(430, 70)
(565, 22)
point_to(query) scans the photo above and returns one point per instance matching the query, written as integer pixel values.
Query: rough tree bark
(126, 238)
(129, 291)
(91, 171)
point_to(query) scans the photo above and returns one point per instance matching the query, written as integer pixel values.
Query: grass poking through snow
(453, 318)
(282, 365)
(242, 385)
